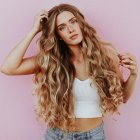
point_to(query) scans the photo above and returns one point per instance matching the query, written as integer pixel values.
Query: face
(68, 28)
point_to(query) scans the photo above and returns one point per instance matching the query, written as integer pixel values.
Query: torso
(84, 124)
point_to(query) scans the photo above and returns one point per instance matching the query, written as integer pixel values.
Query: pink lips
(74, 36)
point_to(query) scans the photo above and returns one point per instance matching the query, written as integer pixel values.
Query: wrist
(33, 31)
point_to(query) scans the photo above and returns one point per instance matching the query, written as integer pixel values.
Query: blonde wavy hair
(55, 71)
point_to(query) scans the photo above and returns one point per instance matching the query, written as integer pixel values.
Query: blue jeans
(58, 134)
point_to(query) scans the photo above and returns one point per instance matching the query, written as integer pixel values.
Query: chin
(76, 42)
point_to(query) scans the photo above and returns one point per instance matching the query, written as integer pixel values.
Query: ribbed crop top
(87, 99)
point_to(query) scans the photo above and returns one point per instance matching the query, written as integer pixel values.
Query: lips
(74, 36)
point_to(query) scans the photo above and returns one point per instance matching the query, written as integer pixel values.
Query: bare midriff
(85, 124)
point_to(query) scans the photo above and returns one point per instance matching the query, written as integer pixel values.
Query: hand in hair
(129, 61)
(39, 18)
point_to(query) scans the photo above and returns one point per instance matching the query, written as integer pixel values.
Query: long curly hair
(55, 71)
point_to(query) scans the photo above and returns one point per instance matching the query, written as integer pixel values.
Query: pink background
(117, 21)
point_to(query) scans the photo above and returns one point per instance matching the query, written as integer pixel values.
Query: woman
(77, 75)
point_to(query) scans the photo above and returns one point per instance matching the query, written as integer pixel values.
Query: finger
(46, 12)
(119, 55)
(126, 57)
(127, 61)
(39, 13)
(42, 12)
(126, 66)
(133, 62)
(129, 66)
(43, 16)
(132, 57)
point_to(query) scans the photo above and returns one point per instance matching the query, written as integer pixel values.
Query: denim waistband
(70, 134)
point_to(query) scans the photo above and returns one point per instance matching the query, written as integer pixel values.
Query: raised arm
(14, 63)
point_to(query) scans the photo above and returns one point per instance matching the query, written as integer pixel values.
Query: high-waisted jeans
(93, 134)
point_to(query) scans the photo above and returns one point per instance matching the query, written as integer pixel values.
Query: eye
(62, 28)
(74, 21)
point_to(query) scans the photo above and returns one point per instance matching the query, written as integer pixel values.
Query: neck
(77, 53)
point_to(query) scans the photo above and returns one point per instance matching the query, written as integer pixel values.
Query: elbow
(5, 71)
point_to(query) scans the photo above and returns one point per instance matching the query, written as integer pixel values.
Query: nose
(70, 29)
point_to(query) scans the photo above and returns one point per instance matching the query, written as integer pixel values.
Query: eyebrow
(64, 23)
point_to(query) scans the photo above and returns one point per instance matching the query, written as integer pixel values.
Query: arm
(14, 60)
(129, 85)
(14, 63)
(129, 61)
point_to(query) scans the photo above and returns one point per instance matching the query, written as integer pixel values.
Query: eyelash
(61, 28)
(74, 21)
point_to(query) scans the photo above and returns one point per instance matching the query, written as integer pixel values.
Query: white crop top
(87, 99)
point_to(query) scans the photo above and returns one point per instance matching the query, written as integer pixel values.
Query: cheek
(79, 32)
(79, 29)
(63, 35)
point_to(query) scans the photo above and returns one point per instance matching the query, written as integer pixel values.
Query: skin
(67, 26)
(15, 64)
(128, 61)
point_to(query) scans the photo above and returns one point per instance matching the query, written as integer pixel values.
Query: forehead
(64, 17)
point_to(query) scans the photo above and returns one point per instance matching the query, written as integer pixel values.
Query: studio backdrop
(116, 21)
